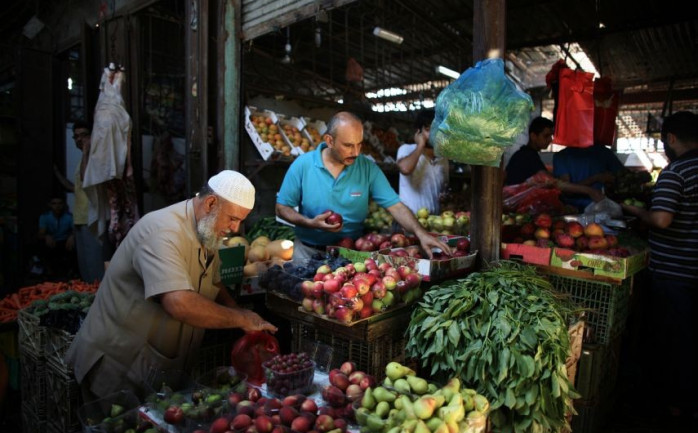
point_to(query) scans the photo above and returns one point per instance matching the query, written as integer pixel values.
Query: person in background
(422, 174)
(526, 161)
(337, 177)
(162, 290)
(595, 166)
(57, 239)
(87, 246)
(673, 242)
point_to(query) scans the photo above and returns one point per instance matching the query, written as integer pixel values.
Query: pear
(425, 406)
(394, 370)
(375, 423)
(397, 404)
(451, 388)
(368, 401)
(396, 417)
(434, 423)
(402, 386)
(408, 426)
(382, 409)
(452, 427)
(395, 429)
(421, 427)
(468, 401)
(418, 385)
(361, 414)
(382, 394)
(481, 403)
(476, 420)
(454, 412)
(431, 388)
(442, 428)
(408, 407)
(387, 382)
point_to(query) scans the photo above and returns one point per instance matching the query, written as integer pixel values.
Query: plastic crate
(32, 382)
(370, 356)
(58, 342)
(32, 336)
(32, 422)
(214, 351)
(598, 371)
(607, 305)
(62, 400)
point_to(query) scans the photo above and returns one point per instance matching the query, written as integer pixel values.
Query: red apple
(173, 415)
(348, 291)
(398, 240)
(307, 304)
(346, 242)
(353, 392)
(348, 367)
(309, 405)
(334, 218)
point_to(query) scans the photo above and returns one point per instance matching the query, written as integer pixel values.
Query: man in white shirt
(422, 175)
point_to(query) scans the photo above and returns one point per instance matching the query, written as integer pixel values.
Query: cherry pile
(289, 374)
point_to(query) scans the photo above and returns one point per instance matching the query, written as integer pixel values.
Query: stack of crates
(49, 392)
(32, 361)
(607, 305)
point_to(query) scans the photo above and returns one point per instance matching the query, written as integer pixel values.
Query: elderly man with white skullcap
(162, 290)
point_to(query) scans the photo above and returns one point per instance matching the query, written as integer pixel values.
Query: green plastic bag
(479, 115)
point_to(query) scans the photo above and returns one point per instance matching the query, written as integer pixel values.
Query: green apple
(422, 212)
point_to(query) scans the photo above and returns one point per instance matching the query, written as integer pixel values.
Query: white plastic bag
(606, 206)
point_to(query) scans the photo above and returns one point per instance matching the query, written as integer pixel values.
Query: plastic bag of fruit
(250, 351)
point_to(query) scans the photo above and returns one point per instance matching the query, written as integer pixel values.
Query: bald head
(340, 119)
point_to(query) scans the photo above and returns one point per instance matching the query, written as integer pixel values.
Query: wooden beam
(489, 31)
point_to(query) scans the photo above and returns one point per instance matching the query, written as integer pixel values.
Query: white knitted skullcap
(233, 187)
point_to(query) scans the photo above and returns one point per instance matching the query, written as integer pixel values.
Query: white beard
(205, 231)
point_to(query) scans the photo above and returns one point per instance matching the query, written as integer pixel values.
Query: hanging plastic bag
(574, 124)
(250, 351)
(537, 194)
(605, 111)
(479, 115)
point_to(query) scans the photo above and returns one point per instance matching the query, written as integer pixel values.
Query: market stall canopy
(648, 48)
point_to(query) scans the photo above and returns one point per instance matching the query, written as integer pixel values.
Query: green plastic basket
(607, 305)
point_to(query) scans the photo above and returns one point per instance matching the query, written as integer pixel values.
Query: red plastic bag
(605, 111)
(574, 124)
(250, 351)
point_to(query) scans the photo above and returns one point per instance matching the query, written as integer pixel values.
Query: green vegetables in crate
(479, 115)
(269, 227)
(503, 332)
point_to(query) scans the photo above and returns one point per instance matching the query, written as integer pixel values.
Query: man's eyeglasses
(80, 135)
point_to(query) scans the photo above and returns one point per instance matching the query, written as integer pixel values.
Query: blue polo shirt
(311, 187)
(59, 227)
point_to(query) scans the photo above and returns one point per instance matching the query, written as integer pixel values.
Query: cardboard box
(265, 149)
(432, 270)
(232, 262)
(526, 253)
(298, 124)
(599, 264)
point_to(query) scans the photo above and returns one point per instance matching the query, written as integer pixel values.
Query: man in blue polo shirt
(337, 177)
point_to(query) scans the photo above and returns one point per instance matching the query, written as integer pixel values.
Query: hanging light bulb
(318, 37)
(287, 48)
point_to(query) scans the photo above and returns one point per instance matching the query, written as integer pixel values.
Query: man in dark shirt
(673, 222)
(526, 161)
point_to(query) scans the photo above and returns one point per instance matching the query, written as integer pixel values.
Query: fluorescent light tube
(387, 35)
(447, 72)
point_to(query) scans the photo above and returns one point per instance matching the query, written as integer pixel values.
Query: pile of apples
(296, 138)
(545, 232)
(269, 132)
(347, 384)
(378, 241)
(359, 290)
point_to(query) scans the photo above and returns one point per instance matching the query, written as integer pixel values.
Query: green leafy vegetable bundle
(479, 115)
(503, 332)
